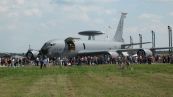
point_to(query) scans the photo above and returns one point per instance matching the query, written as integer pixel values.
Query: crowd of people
(85, 60)
(106, 59)
(13, 62)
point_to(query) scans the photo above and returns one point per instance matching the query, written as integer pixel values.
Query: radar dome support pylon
(91, 34)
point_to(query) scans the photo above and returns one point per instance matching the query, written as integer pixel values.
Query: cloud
(20, 2)
(74, 12)
(150, 17)
(84, 10)
(71, 2)
(150, 22)
(162, 1)
(13, 14)
(3, 8)
(32, 12)
(171, 14)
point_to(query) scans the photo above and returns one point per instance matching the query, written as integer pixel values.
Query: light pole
(153, 39)
(170, 39)
(153, 42)
(140, 40)
(131, 41)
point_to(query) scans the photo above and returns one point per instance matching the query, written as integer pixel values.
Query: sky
(33, 22)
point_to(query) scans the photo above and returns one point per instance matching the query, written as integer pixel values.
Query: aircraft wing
(116, 53)
(113, 53)
(93, 52)
(106, 51)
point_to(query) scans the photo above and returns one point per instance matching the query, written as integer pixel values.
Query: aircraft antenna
(140, 40)
(170, 39)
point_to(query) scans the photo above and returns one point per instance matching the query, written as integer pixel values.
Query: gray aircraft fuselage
(59, 48)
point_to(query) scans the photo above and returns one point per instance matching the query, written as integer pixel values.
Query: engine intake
(113, 54)
(144, 52)
(31, 54)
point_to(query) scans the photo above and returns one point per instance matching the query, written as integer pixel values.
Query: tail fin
(118, 35)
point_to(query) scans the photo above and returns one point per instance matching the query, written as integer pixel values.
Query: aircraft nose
(44, 49)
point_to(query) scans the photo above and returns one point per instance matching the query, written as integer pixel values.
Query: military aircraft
(76, 47)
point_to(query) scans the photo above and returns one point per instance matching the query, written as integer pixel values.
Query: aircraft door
(70, 45)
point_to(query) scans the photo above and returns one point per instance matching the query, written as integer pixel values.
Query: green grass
(154, 80)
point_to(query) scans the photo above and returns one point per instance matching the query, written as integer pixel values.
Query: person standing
(0, 61)
(37, 61)
(46, 61)
(41, 63)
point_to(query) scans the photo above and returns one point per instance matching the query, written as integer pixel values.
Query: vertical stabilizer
(118, 35)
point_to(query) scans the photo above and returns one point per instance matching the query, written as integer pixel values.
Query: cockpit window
(47, 44)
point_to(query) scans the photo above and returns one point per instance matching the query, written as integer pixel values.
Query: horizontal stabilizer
(135, 44)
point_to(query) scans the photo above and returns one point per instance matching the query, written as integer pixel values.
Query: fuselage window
(84, 46)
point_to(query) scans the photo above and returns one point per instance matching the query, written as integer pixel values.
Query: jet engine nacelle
(113, 54)
(144, 52)
(32, 54)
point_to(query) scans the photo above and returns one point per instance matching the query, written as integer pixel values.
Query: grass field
(88, 81)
